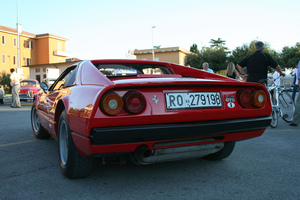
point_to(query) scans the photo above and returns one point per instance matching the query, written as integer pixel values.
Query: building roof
(161, 50)
(24, 33)
(14, 31)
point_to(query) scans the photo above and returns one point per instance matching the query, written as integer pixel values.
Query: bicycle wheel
(274, 121)
(287, 106)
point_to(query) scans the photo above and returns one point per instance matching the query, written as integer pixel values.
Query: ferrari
(145, 112)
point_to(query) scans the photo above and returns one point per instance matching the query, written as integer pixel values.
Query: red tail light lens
(244, 98)
(259, 98)
(134, 102)
(111, 103)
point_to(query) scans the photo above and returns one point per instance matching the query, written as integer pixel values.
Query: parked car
(2, 93)
(145, 112)
(28, 88)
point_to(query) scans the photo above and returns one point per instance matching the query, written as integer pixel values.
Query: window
(3, 58)
(14, 60)
(59, 46)
(28, 44)
(15, 42)
(37, 70)
(44, 70)
(66, 79)
(38, 78)
(3, 39)
(28, 61)
(111, 70)
(71, 78)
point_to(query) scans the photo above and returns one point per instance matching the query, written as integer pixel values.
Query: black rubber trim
(159, 132)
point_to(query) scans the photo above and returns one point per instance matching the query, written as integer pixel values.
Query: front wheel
(72, 164)
(223, 153)
(274, 121)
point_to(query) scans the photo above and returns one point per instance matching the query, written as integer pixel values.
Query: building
(33, 50)
(172, 54)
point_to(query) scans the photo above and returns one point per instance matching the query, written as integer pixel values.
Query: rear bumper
(161, 132)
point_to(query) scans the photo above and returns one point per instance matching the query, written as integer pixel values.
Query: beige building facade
(172, 54)
(33, 50)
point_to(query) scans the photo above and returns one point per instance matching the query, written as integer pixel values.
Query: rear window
(112, 70)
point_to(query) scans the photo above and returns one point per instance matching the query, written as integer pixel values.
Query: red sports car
(146, 112)
(28, 88)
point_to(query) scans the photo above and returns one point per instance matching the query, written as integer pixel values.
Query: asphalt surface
(266, 167)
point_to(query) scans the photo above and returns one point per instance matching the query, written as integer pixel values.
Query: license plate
(186, 100)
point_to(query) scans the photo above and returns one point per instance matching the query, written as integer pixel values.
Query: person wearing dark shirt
(257, 64)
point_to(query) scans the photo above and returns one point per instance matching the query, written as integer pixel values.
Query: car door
(48, 101)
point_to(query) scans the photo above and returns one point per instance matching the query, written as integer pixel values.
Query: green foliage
(217, 43)
(193, 60)
(290, 56)
(194, 48)
(215, 56)
(5, 81)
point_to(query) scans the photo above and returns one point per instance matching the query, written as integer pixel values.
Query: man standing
(295, 83)
(257, 64)
(15, 83)
(206, 67)
(296, 119)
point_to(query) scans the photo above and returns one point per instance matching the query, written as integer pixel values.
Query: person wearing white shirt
(15, 80)
(276, 78)
(206, 68)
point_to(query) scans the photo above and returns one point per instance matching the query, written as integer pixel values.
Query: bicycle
(282, 104)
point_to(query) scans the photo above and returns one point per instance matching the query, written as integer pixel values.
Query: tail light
(134, 102)
(111, 103)
(244, 98)
(259, 98)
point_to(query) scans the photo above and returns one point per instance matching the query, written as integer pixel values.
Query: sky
(99, 29)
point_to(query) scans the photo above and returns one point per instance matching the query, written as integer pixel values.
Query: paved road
(262, 168)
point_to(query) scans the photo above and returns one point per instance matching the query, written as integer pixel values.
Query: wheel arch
(59, 109)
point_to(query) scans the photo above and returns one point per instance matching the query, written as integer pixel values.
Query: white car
(1, 95)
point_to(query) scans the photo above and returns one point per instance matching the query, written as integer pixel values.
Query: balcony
(60, 53)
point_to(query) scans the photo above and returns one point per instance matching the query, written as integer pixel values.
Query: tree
(193, 60)
(216, 58)
(194, 48)
(290, 56)
(5, 81)
(215, 55)
(217, 43)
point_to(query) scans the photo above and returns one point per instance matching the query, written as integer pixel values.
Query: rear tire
(223, 153)
(72, 164)
(274, 121)
(287, 106)
(37, 128)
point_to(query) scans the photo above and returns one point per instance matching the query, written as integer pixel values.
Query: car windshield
(131, 69)
(29, 83)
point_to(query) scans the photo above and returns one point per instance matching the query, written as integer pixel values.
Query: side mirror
(44, 86)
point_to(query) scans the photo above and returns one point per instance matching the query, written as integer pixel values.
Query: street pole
(152, 43)
(18, 39)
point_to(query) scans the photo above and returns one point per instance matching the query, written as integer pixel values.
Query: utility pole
(152, 43)
(18, 36)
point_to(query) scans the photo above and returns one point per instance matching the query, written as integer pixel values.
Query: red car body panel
(87, 120)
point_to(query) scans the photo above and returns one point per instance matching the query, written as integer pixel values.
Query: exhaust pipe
(144, 156)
